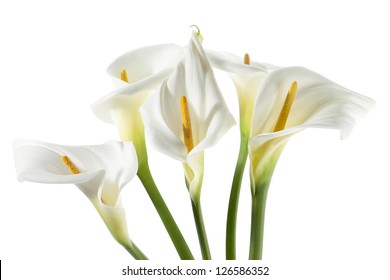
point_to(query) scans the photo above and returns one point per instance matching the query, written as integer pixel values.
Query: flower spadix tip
(186, 123)
(247, 59)
(124, 76)
(70, 165)
(282, 119)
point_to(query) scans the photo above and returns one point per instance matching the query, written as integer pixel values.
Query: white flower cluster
(170, 92)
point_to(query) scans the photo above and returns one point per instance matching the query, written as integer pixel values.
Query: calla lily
(289, 100)
(100, 172)
(188, 114)
(137, 74)
(185, 117)
(247, 76)
(279, 113)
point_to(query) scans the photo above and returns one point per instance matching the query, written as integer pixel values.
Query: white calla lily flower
(292, 99)
(188, 114)
(289, 100)
(247, 76)
(136, 74)
(100, 172)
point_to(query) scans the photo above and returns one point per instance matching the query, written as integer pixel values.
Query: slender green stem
(200, 227)
(136, 134)
(259, 200)
(134, 251)
(234, 199)
(165, 215)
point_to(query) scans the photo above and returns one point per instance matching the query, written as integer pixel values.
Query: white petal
(115, 220)
(113, 162)
(318, 103)
(162, 121)
(145, 63)
(235, 64)
(196, 163)
(120, 103)
(263, 160)
(41, 163)
(146, 69)
(104, 170)
(216, 125)
(210, 118)
(247, 79)
(207, 106)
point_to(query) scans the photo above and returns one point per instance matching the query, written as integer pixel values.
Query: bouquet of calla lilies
(170, 93)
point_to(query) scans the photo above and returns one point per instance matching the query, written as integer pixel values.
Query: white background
(328, 210)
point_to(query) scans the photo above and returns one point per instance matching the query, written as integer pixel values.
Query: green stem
(136, 134)
(200, 227)
(259, 200)
(134, 251)
(234, 199)
(165, 215)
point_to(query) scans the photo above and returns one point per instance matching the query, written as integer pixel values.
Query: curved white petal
(234, 64)
(210, 118)
(247, 79)
(163, 135)
(41, 162)
(105, 169)
(264, 159)
(123, 102)
(194, 176)
(144, 63)
(318, 102)
(115, 219)
(146, 68)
